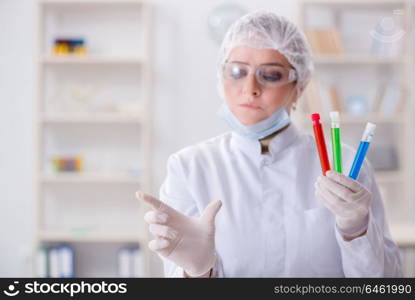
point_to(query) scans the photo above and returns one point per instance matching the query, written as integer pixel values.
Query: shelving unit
(115, 143)
(90, 177)
(348, 119)
(91, 237)
(400, 181)
(51, 60)
(356, 60)
(90, 118)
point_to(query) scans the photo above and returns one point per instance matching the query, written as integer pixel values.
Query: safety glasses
(266, 75)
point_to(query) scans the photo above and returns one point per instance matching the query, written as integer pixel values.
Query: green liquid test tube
(335, 140)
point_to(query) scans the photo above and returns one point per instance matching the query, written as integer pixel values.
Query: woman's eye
(237, 73)
(272, 76)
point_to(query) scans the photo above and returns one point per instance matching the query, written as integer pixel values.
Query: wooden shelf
(98, 118)
(98, 2)
(348, 119)
(358, 3)
(84, 177)
(89, 236)
(90, 60)
(357, 59)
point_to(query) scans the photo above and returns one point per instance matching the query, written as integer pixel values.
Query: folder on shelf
(312, 97)
(313, 41)
(60, 261)
(138, 262)
(130, 262)
(334, 42)
(391, 99)
(124, 264)
(336, 101)
(53, 262)
(320, 98)
(41, 263)
(378, 99)
(66, 261)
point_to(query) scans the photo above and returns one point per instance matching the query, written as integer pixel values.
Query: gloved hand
(348, 200)
(187, 241)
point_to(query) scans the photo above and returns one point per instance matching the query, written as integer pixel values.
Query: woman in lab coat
(252, 202)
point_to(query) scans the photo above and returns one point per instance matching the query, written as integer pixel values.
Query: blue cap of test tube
(369, 132)
(362, 150)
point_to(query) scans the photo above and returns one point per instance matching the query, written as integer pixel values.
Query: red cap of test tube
(315, 117)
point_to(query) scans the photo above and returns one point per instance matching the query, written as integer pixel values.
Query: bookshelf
(358, 67)
(95, 105)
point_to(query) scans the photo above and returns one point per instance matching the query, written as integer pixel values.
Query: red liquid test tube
(321, 143)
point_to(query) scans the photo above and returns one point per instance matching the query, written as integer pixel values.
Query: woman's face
(249, 100)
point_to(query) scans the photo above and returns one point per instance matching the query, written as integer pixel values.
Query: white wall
(16, 159)
(185, 103)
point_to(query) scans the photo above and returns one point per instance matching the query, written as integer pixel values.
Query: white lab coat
(271, 224)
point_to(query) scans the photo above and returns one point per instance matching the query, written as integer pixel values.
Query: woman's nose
(251, 86)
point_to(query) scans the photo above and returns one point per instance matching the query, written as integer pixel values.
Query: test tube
(335, 141)
(321, 143)
(362, 150)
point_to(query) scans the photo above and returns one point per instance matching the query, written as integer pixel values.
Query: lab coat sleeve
(175, 192)
(373, 254)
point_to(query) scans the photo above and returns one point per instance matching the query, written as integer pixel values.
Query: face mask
(259, 130)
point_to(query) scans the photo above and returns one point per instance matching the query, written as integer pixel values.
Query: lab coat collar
(278, 143)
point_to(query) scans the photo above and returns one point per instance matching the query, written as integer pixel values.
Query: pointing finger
(150, 200)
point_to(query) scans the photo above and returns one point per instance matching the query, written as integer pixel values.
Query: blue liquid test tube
(361, 152)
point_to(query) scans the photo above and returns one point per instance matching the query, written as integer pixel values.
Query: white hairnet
(266, 30)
